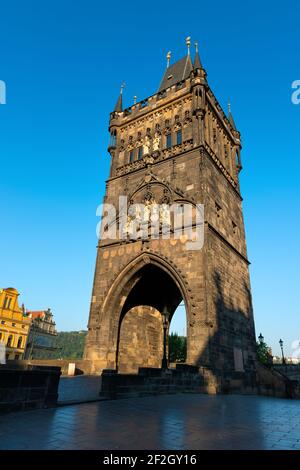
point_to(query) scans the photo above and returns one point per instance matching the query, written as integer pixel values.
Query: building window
(113, 139)
(131, 156)
(140, 153)
(214, 136)
(179, 137)
(218, 209)
(20, 342)
(9, 341)
(169, 141)
(234, 227)
(13, 324)
(2, 322)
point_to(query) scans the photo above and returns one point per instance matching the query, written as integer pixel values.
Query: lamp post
(281, 347)
(165, 317)
(261, 339)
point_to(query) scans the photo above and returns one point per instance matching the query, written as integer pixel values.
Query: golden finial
(134, 99)
(188, 43)
(168, 58)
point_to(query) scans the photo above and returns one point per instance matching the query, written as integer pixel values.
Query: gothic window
(187, 114)
(176, 119)
(157, 127)
(167, 122)
(131, 156)
(140, 152)
(139, 135)
(113, 138)
(179, 137)
(168, 141)
(130, 139)
(9, 341)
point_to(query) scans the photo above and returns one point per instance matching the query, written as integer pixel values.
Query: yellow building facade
(14, 324)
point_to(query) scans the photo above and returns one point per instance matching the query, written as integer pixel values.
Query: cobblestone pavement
(185, 421)
(79, 388)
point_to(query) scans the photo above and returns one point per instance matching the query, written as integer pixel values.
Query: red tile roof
(35, 314)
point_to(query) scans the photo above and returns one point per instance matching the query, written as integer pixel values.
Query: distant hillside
(70, 345)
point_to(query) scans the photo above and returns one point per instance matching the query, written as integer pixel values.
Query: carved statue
(156, 142)
(146, 146)
(165, 218)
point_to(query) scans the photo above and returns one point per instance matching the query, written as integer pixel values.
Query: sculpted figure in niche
(146, 146)
(165, 217)
(156, 142)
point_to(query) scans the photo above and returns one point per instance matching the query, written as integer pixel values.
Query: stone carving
(146, 145)
(156, 142)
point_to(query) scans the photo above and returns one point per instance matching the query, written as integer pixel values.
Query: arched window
(9, 341)
(168, 141)
(20, 342)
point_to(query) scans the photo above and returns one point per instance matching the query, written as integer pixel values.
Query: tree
(177, 348)
(264, 353)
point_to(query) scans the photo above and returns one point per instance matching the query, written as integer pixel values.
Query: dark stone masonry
(176, 147)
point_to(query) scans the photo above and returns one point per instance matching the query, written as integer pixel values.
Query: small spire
(134, 99)
(230, 117)
(188, 43)
(119, 103)
(229, 107)
(168, 59)
(197, 61)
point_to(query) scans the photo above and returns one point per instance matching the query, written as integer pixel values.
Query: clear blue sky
(63, 62)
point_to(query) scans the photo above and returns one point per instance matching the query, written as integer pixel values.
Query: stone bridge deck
(181, 421)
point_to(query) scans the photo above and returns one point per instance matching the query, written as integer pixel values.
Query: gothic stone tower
(175, 146)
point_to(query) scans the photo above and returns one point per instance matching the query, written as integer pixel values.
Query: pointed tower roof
(177, 72)
(119, 103)
(197, 61)
(230, 117)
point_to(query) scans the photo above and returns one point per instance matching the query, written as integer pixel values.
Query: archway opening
(177, 335)
(141, 332)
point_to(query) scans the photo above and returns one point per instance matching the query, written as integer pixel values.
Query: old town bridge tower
(177, 146)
